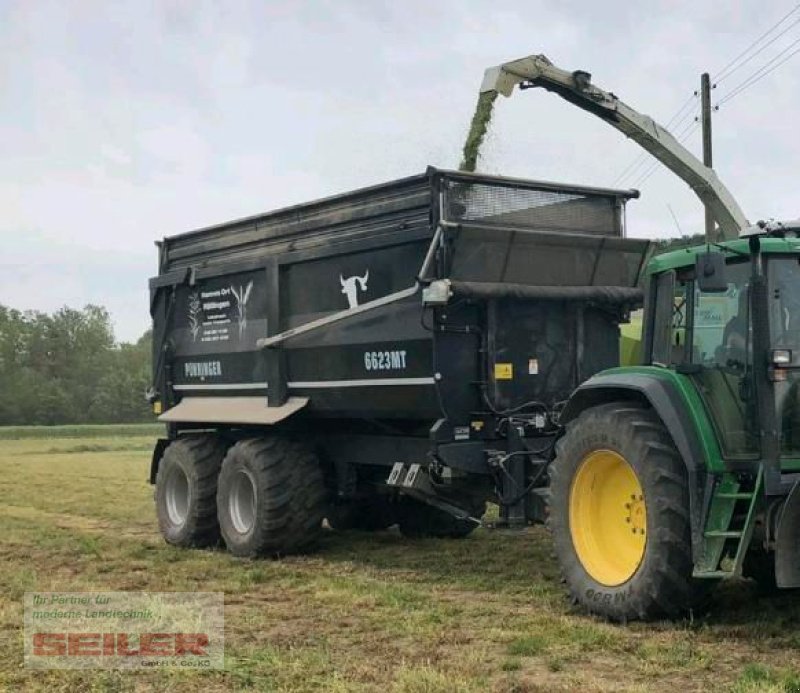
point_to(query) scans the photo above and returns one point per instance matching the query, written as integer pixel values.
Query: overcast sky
(123, 122)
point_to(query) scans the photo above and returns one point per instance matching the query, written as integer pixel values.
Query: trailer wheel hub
(242, 502)
(608, 517)
(177, 497)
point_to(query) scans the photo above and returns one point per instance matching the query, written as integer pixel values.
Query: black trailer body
(420, 335)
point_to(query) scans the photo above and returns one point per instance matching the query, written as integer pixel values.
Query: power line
(760, 73)
(654, 167)
(675, 219)
(635, 167)
(645, 173)
(680, 115)
(645, 161)
(728, 70)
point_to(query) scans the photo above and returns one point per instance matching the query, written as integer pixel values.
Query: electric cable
(635, 167)
(678, 117)
(762, 72)
(729, 69)
(682, 137)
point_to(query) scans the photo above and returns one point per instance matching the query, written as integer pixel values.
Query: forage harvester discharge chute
(577, 88)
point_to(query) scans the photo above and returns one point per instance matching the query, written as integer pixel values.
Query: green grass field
(367, 612)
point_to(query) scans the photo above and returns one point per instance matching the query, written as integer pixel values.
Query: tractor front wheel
(619, 515)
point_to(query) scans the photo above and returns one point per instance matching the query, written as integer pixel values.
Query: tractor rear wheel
(417, 520)
(619, 515)
(186, 490)
(271, 497)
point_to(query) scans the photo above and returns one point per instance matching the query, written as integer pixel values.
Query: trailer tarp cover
(542, 258)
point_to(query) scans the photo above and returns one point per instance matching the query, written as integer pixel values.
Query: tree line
(67, 368)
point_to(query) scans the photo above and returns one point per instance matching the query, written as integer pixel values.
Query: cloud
(125, 122)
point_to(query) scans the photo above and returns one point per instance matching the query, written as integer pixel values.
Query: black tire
(662, 584)
(759, 566)
(418, 520)
(367, 515)
(186, 491)
(285, 512)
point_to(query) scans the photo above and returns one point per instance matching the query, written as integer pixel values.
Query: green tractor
(685, 470)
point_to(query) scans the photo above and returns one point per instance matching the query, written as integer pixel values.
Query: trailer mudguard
(787, 542)
(668, 403)
(155, 460)
(231, 410)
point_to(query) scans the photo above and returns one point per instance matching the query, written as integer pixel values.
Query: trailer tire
(418, 520)
(186, 490)
(620, 454)
(271, 498)
(366, 515)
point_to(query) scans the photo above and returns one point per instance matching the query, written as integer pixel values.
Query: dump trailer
(401, 354)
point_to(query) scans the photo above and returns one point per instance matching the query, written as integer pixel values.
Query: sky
(124, 122)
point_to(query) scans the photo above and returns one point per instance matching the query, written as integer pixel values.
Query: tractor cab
(728, 319)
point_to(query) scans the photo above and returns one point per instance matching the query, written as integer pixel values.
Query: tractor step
(714, 575)
(724, 548)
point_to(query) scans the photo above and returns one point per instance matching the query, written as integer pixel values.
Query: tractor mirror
(709, 269)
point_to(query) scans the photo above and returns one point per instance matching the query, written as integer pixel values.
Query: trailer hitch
(413, 480)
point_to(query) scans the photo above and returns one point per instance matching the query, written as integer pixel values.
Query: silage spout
(576, 87)
(503, 78)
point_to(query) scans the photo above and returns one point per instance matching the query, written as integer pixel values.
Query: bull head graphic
(350, 287)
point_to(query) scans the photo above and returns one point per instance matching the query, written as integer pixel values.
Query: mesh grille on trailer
(528, 207)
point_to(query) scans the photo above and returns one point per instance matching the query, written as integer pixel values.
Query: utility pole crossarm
(576, 87)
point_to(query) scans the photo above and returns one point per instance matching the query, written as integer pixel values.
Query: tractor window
(784, 276)
(721, 324)
(784, 317)
(722, 346)
(669, 330)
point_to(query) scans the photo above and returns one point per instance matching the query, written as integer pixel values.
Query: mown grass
(366, 612)
(80, 431)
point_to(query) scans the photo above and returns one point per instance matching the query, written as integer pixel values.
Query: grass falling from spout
(477, 131)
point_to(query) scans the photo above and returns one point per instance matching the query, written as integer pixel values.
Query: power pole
(705, 110)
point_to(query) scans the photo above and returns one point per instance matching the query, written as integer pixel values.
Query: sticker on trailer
(533, 366)
(504, 371)
(461, 432)
(385, 360)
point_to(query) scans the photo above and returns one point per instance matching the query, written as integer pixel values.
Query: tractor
(684, 470)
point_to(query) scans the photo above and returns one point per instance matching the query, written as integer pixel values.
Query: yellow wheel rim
(608, 517)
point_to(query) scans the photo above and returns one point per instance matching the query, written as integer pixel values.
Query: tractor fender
(787, 542)
(667, 402)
